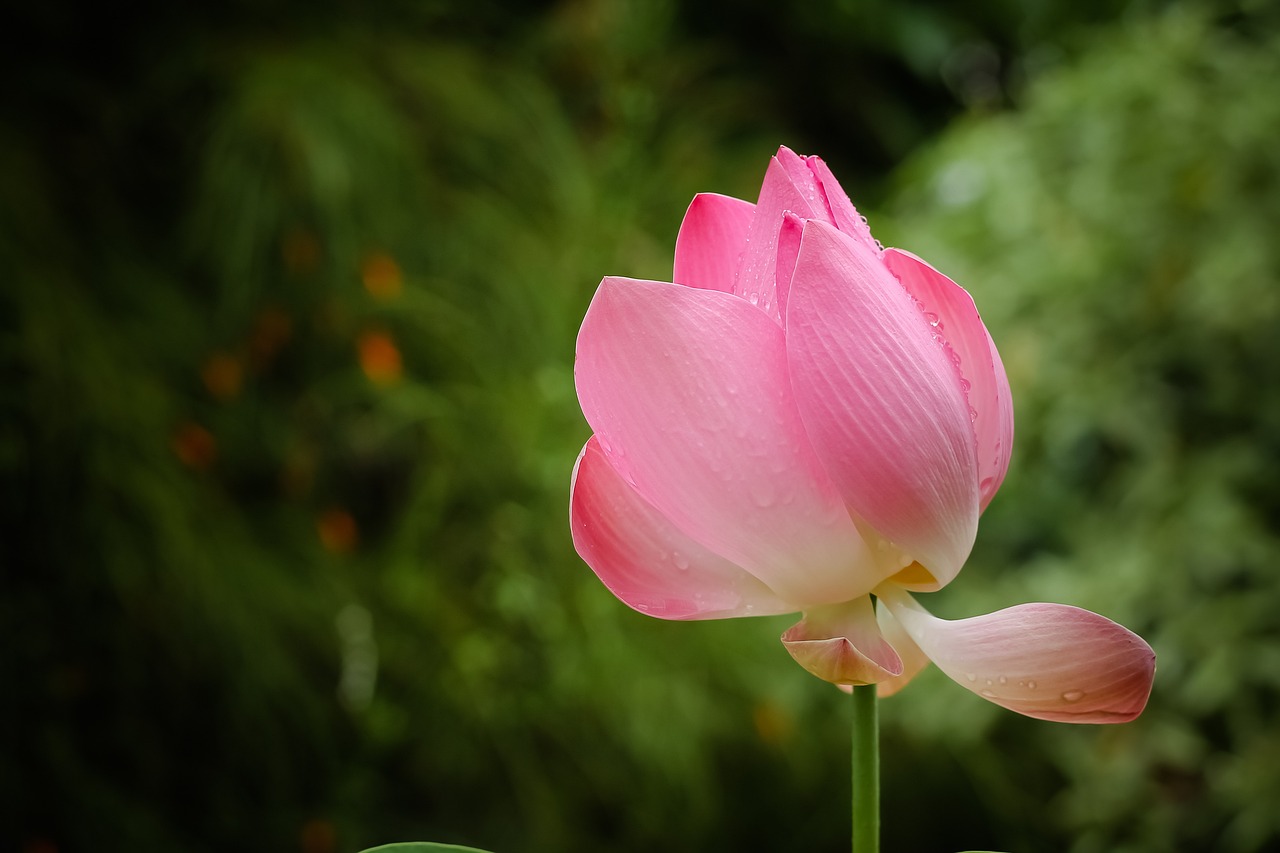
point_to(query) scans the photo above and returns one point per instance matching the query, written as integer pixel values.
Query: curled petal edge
(842, 644)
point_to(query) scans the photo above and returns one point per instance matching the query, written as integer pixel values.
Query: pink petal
(687, 391)
(842, 644)
(913, 659)
(882, 402)
(1047, 661)
(843, 213)
(788, 249)
(788, 186)
(805, 184)
(951, 311)
(645, 560)
(712, 237)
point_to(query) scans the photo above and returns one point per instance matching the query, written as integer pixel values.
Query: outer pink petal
(842, 644)
(951, 311)
(645, 560)
(882, 402)
(1047, 661)
(788, 186)
(687, 391)
(712, 237)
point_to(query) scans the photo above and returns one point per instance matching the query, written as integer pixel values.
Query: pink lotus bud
(802, 419)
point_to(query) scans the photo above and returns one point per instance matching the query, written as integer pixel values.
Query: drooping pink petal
(645, 560)
(1047, 661)
(709, 245)
(913, 659)
(779, 194)
(841, 643)
(687, 391)
(881, 402)
(953, 316)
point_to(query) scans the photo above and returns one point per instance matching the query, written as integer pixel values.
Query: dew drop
(1073, 696)
(762, 494)
(682, 562)
(988, 694)
(1031, 685)
(971, 676)
(1004, 680)
(988, 682)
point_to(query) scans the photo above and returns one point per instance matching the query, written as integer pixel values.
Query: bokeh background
(287, 312)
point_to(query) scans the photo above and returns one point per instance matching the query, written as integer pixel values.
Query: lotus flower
(804, 421)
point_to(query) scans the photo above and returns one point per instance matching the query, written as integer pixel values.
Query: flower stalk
(866, 770)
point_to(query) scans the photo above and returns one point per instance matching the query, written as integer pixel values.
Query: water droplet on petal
(1004, 680)
(988, 694)
(1073, 696)
(1031, 685)
(762, 494)
(971, 676)
(682, 563)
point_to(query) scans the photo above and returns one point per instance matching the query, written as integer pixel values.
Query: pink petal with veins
(1047, 661)
(952, 314)
(843, 213)
(647, 561)
(882, 402)
(688, 393)
(780, 194)
(709, 245)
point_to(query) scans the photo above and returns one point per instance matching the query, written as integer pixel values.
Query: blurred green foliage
(288, 416)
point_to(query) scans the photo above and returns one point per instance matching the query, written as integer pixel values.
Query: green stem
(866, 771)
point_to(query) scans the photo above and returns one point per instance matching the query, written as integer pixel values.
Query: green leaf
(423, 847)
